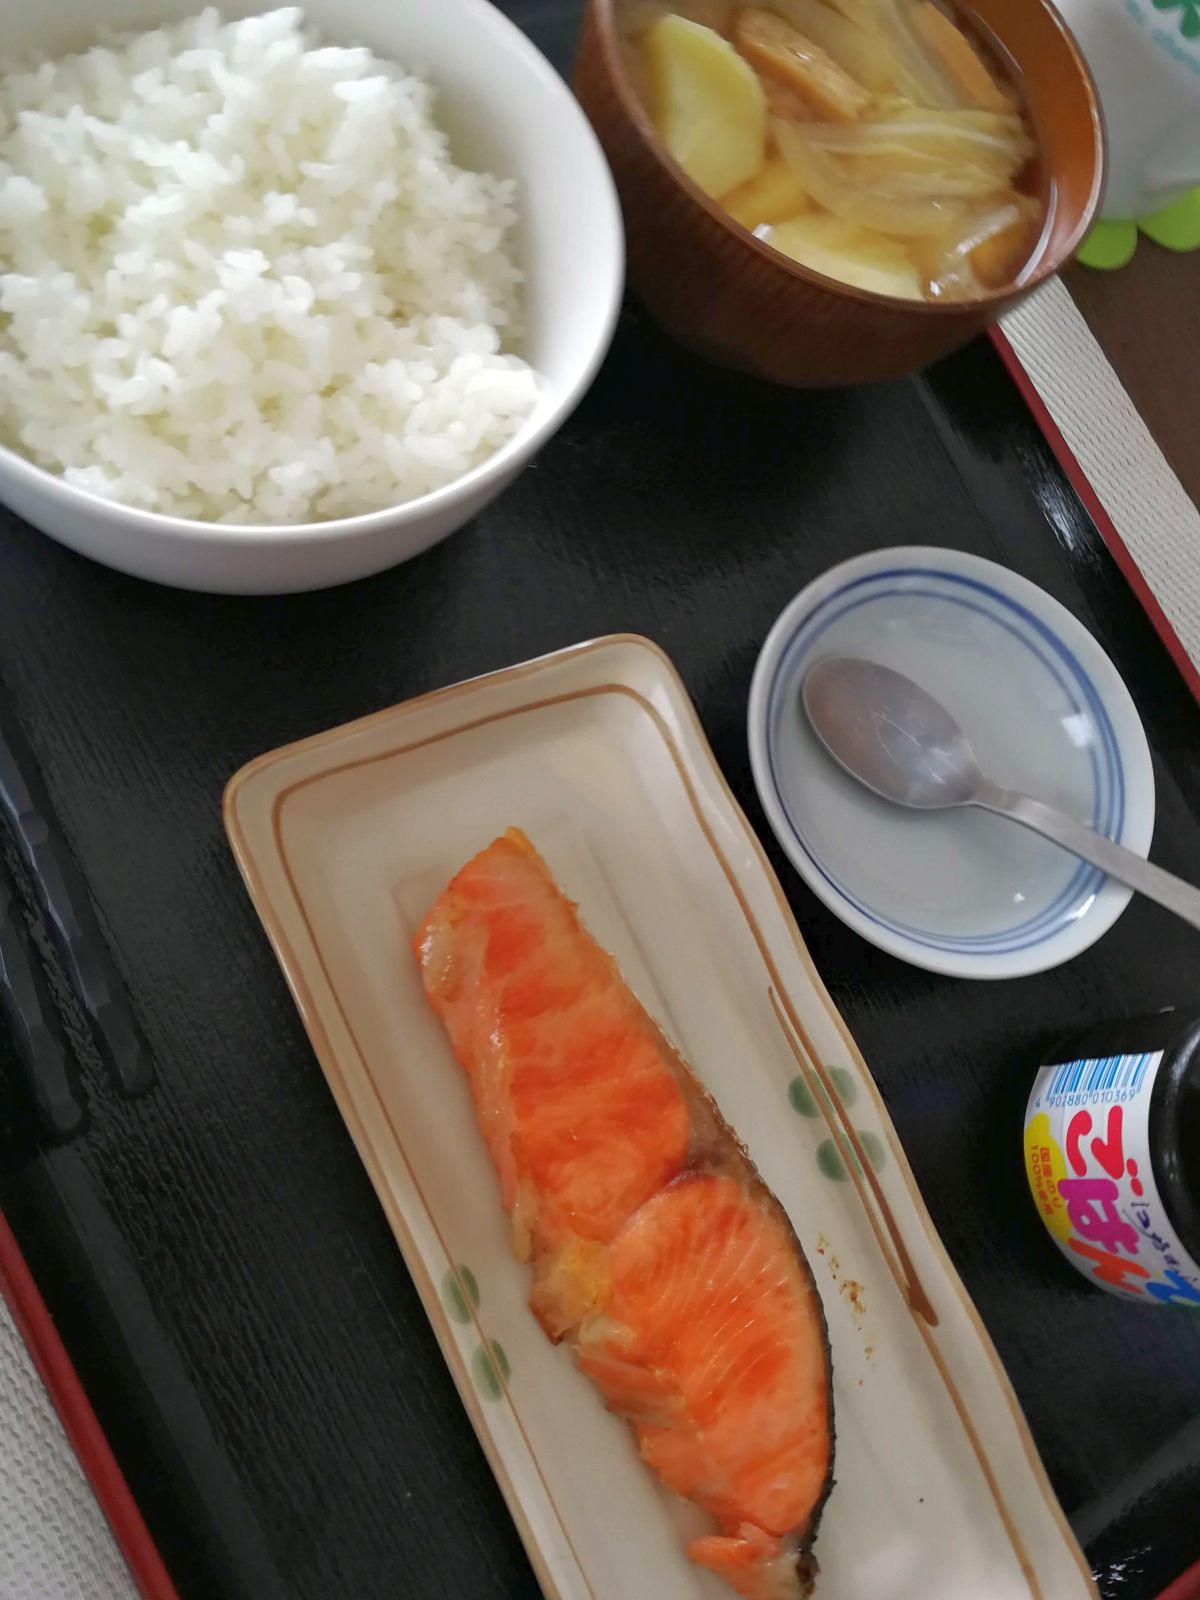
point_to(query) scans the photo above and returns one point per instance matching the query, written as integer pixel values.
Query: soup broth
(879, 142)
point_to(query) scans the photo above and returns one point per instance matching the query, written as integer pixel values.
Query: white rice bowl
(241, 279)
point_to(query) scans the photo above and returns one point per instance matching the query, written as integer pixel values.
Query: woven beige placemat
(54, 1541)
(1152, 513)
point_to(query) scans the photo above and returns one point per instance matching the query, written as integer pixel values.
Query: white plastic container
(1145, 57)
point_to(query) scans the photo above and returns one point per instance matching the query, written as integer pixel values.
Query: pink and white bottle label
(1087, 1158)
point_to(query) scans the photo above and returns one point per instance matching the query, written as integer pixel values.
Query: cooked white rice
(242, 280)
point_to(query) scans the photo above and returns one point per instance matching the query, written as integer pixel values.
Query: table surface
(206, 1250)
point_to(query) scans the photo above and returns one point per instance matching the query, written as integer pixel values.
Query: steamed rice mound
(241, 279)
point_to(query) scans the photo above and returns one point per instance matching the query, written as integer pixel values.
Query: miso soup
(883, 143)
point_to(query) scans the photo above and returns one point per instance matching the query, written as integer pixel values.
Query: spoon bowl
(884, 730)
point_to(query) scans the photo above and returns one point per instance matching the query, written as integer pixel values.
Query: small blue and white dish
(961, 892)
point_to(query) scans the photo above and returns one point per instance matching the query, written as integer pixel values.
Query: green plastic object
(1178, 226)
(1110, 245)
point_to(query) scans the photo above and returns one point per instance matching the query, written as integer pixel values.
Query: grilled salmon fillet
(656, 1249)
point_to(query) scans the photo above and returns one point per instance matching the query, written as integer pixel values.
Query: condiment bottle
(1112, 1153)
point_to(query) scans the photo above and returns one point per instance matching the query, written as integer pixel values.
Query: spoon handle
(1164, 887)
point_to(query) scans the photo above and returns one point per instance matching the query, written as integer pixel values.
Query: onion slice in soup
(826, 179)
(980, 251)
(983, 138)
(919, 74)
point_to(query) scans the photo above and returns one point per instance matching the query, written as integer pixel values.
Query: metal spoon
(897, 740)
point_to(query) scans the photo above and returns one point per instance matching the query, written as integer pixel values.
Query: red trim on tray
(1104, 523)
(50, 1357)
(1185, 1587)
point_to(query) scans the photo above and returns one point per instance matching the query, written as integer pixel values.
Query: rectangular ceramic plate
(345, 839)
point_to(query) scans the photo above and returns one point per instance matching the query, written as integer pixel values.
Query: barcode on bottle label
(1124, 1074)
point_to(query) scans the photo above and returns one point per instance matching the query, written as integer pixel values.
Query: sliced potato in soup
(708, 105)
(852, 255)
(773, 195)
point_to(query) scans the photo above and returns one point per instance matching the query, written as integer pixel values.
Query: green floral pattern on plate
(803, 1100)
(490, 1368)
(829, 1157)
(843, 1082)
(460, 1292)
(809, 1102)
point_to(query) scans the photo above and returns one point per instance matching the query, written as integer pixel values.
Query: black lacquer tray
(211, 1249)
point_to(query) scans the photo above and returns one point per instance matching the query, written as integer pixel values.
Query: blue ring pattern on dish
(1108, 810)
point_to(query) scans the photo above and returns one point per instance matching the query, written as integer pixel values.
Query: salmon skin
(656, 1249)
